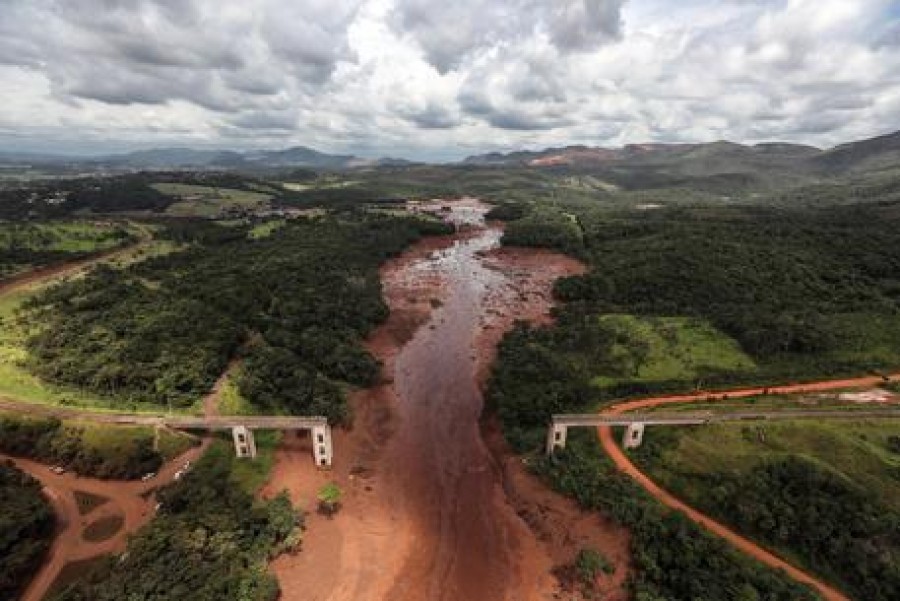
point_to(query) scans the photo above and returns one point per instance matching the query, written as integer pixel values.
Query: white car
(179, 474)
(58, 470)
(148, 476)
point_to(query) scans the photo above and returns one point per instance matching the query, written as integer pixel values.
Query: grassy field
(24, 246)
(266, 228)
(64, 236)
(654, 349)
(252, 475)
(207, 201)
(231, 402)
(857, 451)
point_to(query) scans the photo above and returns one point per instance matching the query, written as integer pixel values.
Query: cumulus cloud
(449, 33)
(436, 79)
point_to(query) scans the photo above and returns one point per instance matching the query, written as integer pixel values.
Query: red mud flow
(430, 512)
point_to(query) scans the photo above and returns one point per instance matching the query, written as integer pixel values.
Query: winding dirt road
(132, 500)
(668, 499)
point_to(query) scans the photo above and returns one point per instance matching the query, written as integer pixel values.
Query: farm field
(207, 201)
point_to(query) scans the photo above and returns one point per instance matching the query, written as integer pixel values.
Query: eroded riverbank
(431, 512)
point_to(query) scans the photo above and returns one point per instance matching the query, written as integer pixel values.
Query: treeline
(297, 304)
(26, 529)
(50, 441)
(673, 558)
(542, 227)
(211, 540)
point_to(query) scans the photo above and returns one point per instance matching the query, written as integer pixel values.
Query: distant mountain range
(190, 158)
(688, 160)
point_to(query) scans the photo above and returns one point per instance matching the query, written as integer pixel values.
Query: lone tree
(330, 499)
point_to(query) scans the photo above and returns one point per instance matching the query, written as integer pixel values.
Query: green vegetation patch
(115, 452)
(104, 528)
(210, 201)
(26, 529)
(210, 540)
(25, 246)
(88, 502)
(173, 443)
(297, 303)
(251, 475)
(658, 349)
(826, 494)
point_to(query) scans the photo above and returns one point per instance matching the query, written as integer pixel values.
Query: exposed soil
(129, 501)
(431, 510)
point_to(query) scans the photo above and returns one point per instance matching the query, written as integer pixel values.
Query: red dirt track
(743, 544)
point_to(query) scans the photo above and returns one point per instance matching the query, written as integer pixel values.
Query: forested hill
(296, 303)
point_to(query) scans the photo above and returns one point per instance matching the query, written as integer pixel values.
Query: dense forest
(210, 541)
(791, 293)
(805, 292)
(50, 441)
(26, 528)
(296, 304)
(673, 557)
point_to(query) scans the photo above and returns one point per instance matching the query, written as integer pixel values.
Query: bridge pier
(321, 440)
(634, 435)
(244, 443)
(556, 437)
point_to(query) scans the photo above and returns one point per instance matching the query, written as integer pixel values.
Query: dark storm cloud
(268, 120)
(431, 117)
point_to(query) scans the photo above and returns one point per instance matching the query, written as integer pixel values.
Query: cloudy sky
(440, 79)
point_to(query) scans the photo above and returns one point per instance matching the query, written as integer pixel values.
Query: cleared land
(655, 349)
(208, 201)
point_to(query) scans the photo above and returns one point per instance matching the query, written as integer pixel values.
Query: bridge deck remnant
(242, 426)
(635, 422)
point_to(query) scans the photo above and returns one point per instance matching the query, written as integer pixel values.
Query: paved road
(666, 498)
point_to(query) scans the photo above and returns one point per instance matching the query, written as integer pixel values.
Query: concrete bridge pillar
(244, 443)
(322, 451)
(634, 435)
(556, 437)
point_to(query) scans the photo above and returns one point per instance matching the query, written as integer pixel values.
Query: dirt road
(58, 270)
(747, 546)
(430, 513)
(129, 499)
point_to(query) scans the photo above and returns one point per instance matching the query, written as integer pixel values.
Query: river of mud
(432, 510)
